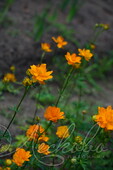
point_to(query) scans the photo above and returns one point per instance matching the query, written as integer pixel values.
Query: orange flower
(85, 53)
(39, 73)
(53, 113)
(62, 132)
(60, 41)
(43, 148)
(73, 59)
(104, 118)
(9, 77)
(21, 156)
(34, 131)
(46, 47)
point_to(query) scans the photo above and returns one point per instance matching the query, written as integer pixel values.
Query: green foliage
(4, 11)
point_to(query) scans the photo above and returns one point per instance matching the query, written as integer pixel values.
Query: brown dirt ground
(20, 49)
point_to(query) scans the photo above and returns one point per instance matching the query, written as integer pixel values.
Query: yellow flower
(8, 162)
(105, 26)
(60, 41)
(46, 47)
(43, 148)
(104, 118)
(85, 53)
(73, 59)
(53, 113)
(35, 131)
(62, 132)
(12, 68)
(27, 82)
(9, 77)
(78, 139)
(39, 73)
(21, 156)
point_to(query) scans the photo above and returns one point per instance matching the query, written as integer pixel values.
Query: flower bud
(8, 162)
(73, 160)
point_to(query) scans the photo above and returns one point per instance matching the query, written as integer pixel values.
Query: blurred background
(24, 24)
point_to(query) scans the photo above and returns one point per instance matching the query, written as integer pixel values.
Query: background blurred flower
(85, 53)
(46, 47)
(72, 59)
(9, 77)
(60, 41)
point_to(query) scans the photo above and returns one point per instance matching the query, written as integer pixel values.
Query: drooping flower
(43, 148)
(20, 156)
(34, 133)
(39, 73)
(73, 59)
(9, 77)
(85, 53)
(46, 47)
(104, 118)
(62, 132)
(53, 114)
(60, 41)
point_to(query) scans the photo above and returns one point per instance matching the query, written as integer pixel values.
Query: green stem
(97, 34)
(42, 57)
(86, 145)
(64, 85)
(17, 108)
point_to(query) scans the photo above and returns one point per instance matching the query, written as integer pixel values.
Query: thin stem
(64, 85)
(17, 108)
(42, 57)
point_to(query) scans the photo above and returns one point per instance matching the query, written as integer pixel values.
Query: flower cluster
(36, 133)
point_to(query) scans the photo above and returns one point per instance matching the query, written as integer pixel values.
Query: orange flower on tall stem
(39, 73)
(43, 148)
(85, 53)
(21, 156)
(104, 118)
(60, 41)
(46, 47)
(53, 114)
(73, 59)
